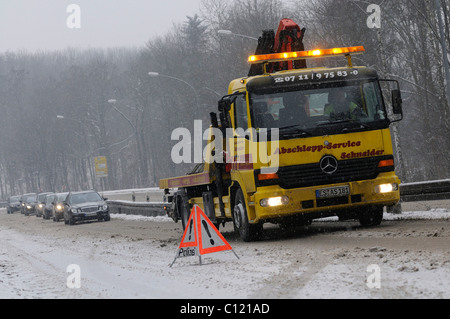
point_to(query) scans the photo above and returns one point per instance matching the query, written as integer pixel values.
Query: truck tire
(248, 232)
(183, 207)
(372, 216)
(394, 209)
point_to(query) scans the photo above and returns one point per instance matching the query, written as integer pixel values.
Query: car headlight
(73, 210)
(29, 206)
(105, 207)
(59, 207)
(40, 205)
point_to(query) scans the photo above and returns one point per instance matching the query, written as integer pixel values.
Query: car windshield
(84, 198)
(314, 109)
(62, 197)
(49, 199)
(41, 197)
(30, 198)
(14, 199)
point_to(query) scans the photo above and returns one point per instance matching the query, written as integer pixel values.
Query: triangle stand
(201, 237)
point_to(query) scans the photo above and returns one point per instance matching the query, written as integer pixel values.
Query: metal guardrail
(137, 208)
(409, 192)
(425, 191)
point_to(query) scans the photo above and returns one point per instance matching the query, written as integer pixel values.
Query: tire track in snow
(291, 278)
(34, 270)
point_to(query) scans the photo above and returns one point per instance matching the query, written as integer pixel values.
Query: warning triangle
(210, 239)
(201, 237)
(190, 233)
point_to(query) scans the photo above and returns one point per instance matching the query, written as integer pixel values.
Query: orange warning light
(300, 55)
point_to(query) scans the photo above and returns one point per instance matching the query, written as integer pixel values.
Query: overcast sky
(43, 25)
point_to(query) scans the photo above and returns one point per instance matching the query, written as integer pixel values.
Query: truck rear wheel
(183, 207)
(372, 216)
(247, 232)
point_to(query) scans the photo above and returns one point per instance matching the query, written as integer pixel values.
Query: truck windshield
(314, 110)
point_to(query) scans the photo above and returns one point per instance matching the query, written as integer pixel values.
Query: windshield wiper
(328, 122)
(294, 130)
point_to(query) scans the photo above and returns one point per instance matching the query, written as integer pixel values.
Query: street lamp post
(230, 33)
(112, 102)
(85, 137)
(156, 74)
(142, 163)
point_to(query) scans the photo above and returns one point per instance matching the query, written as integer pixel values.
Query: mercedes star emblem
(329, 164)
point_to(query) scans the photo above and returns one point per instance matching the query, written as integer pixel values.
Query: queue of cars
(71, 207)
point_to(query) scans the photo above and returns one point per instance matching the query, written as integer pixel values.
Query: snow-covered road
(129, 257)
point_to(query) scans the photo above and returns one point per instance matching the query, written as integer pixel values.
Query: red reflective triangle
(209, 238)
(189, 238)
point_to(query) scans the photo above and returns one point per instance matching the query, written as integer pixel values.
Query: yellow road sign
(101, 166)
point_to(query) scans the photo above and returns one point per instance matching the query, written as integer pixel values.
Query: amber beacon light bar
(300, 55)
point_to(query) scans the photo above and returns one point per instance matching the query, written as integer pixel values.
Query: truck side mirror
(397, 102)
(396, 99)
(224, 105)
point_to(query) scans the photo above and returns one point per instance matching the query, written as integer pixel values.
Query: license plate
(91, 214)
(333, 192)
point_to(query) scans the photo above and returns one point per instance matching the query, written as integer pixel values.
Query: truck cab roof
(301, 76)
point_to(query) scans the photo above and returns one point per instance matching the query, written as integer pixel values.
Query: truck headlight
(386, 188)
(274, 201)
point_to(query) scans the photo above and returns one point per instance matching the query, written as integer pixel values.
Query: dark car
(87, 205)
(13, 204)
(28, 203)
(58, 206)
(41, 203)
(48, 206)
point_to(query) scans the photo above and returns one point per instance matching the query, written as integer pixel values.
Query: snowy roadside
(116, 263)
(34, 266)
(434, 213)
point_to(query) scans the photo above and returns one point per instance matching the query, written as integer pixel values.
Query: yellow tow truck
(291, 144)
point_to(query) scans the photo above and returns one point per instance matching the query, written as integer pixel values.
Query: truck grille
(311, 174)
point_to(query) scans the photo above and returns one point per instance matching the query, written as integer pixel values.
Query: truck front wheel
(247, 232)
(372, 216)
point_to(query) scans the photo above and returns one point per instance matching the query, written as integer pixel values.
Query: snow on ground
(434, 213)
(35, 266)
